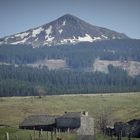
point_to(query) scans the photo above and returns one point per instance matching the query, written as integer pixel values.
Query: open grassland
(17, 134)
(121, 106)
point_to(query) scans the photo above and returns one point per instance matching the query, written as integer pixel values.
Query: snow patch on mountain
(21, 35)
(64, 23)
(114, 37)
(6, 39)
(69, 40)
(104, 36)
(48, 37)
(36, 39)
(85, 38)
(20, 42)
(49, 30)
(60, 31)
(48, 40)
(96, 38)
(37, 31)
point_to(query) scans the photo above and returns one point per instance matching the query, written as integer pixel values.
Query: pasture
(118, 107)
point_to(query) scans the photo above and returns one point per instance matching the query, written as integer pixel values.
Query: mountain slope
(64, 30)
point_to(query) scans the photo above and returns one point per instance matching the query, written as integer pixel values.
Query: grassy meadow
(119, 107)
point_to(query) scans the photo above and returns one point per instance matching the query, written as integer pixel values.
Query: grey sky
(120, 15)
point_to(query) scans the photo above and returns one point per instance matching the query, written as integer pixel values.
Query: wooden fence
(41, 135)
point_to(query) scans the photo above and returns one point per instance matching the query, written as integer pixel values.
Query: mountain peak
(64, 30)
(68, 16)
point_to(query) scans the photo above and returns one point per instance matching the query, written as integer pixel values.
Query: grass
(28, 135)
(122, 107)
(103, 137)
(15, 134)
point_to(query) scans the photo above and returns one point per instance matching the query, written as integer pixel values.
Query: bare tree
(105, 118)
(40, 91)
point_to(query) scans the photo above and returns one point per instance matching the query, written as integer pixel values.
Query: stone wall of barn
(87, 126)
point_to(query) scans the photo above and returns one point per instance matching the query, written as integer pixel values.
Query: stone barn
(69, 121)
(77, 122)
(38, 122)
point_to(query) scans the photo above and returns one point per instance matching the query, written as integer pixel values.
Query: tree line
(25, 81)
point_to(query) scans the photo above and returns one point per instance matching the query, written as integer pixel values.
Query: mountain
(67, 29)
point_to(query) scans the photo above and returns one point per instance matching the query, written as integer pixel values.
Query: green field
(120, 107)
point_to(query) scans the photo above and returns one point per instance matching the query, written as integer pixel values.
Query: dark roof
(72, 115)
(38, 120)
(69, 120)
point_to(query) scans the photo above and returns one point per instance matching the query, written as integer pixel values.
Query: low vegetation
(118, 107)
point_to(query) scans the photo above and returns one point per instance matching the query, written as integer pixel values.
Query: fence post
(59, 133)
(51, 135)
(7, 136)
(34, 132)
(68, 130)
(40, 133)
(47, 135)
(55, 133)
(30, 136)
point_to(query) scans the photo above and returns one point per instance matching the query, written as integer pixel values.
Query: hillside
(132, 67)
(96, 67)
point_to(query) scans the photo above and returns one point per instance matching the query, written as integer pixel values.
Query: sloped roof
(69, 120)
(72, 115)
(38, 120)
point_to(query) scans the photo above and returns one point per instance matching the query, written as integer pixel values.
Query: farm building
(69, 120)
(38, 122)
(77, 122)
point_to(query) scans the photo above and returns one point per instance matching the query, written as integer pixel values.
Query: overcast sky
(120, 15)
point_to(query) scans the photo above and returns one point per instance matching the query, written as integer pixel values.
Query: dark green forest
(27, 81)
